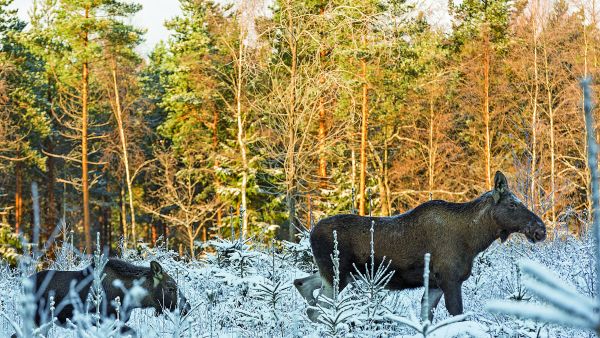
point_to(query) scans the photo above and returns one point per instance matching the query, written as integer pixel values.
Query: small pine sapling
(274, 289)
(97, 294)
(371, 284)
(335, 312)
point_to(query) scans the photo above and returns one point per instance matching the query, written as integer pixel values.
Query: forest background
(277, 118)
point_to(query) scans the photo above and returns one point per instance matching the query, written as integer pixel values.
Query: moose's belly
(406, 279)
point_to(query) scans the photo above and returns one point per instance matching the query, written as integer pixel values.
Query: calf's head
(164, 292)
(512, 215)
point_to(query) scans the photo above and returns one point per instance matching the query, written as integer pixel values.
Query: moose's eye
(512, 205)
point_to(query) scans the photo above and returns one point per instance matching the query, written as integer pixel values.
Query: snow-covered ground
(247, 292)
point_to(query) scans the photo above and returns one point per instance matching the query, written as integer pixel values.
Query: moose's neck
(482, 230)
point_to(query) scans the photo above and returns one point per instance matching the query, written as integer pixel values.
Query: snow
(243, 290)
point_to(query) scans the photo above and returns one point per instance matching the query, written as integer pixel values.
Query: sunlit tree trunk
(534, 113)
(123, 216)
(363, 139)
(552, 142)
(291, 156)
(486, 106)
(84, 145)
(240, 132)
(431, 150)
(18, 196)
(215, 145)
(119, 118)
(322, 136)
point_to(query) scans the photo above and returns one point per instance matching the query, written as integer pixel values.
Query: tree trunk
(108, 228)
(51, 212)
(215, 144)
(552, 145)
(291, 149)
(240, 133)
(190, 233)
(123, 216)
(363, 140)
(587, 167)
(486, 107)
(534, 115)
(18, 196)
(431, 150)
(291, 205)
(154, 233)
(119, 118)
(84, 146)
(322, 174)
(322, 136)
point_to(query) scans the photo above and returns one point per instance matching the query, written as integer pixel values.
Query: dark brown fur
(162, 291)
(453, 233)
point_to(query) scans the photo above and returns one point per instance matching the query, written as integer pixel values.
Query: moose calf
(161, 291)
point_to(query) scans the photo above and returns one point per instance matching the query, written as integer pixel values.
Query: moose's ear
(500, 186)
(157, 272)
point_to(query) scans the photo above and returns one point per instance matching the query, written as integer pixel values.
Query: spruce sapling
(273, 289)
(371, 284)
(336, 311)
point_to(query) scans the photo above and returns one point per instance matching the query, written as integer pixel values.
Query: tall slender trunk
(215, 145)
(322, 122)
(587, 167)
(119, 118)
(154, 234)
(363, 139)
(486, 107)
(431, 150)
(552, 145)
(84, 145)
(18, 196)
(108, 229)
(190, 234)
(309, 212)
(240, 133)
(353, 170)
(291, 149)
(51, 214)
(322, 136)
(123, 216)
(382, 177)
(534, 115)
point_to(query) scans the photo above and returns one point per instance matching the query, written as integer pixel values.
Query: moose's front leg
(453, 297)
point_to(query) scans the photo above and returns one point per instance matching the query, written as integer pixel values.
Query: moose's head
(512, 215)
(164, 292)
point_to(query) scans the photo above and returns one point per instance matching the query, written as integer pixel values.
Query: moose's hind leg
(307, 285)
(435, 294)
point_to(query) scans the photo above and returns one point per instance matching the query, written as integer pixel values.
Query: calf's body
(70, 291)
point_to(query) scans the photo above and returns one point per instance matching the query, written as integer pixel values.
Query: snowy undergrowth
(245, 290)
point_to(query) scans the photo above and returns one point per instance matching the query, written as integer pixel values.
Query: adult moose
(454, 233)
(70, 290)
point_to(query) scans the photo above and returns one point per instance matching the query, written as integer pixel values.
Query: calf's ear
(157, 273)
